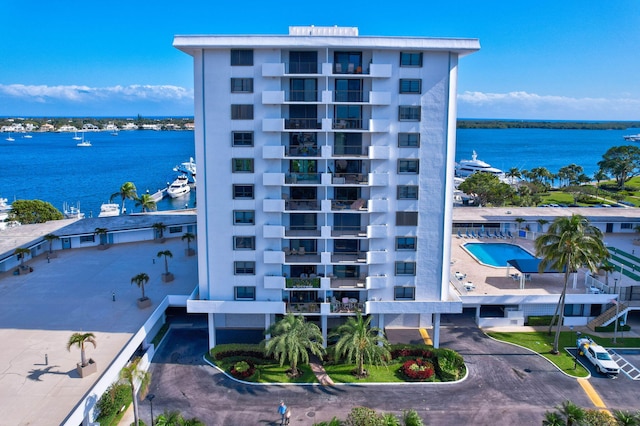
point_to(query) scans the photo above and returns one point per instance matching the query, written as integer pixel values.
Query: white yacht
(466, 168)
(109, 209)
(83, 143)
(632, 138)
(10, 139)
(187, 168)
(179, 187)
(71, 212)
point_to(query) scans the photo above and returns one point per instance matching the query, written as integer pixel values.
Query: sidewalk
(319, 371)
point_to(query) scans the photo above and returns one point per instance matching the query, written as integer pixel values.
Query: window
(243, 192)
(303, 62)
(87, 238)
(241, 85)
(241, 57)
(407, 192)
(245, 293)
(244, 217)
(175, 229)
(408, 140)
(244, 268)
(407, 165)
(406, 218)
(405, 268)
(242, 138)
(626, 226)
(242, 112)
(410, 85)
(404, 293)
(408, 113)
(349, 90)
(303, 90)
(242, 165)
(244, 243)
(410, 59)
(406, 243)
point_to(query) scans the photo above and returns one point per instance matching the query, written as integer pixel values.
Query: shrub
(411, 418)
(449, 365)
(115, 397)
(243, 369)
(417, 369)
(415, 351)
(237, 350)
(540, 320)
(363, 416)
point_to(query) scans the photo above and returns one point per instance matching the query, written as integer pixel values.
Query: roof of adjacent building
(510, 214)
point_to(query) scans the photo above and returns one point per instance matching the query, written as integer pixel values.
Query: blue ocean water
(50, 167)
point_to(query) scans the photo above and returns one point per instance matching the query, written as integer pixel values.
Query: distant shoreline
(461, 123)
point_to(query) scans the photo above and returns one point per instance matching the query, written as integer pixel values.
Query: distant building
(325, 176)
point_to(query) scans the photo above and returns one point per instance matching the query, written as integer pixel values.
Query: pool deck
(490, 280)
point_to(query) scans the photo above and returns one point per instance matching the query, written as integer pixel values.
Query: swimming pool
(496, 254)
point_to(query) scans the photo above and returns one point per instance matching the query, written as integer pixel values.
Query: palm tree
(131, 374)
(147, 203)
(167, 254)
(189, 237)
(127, 191)
(159, 227)
(51, 238)
(599, 176)
(291, 340)
(22, 253)
(553, 419)
(513, 174)
(573, 414)
(607, 268)
(626, 418)
(102, 234)
(570, 243)
(359, 342)
(140, 280)
(542, 223)
(80, 339)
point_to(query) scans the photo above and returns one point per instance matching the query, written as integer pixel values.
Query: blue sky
(545, 59)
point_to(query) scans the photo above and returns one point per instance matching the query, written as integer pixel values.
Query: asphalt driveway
(506, 385)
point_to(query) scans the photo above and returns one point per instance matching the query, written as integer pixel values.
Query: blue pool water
(496, 254)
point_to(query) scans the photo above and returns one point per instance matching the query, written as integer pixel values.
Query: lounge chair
(495, 234)
(459, 234)
(467, 234)
(301, 251)
(509, 234)
(502, 235)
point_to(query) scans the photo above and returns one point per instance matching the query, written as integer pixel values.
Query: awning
(529, 266)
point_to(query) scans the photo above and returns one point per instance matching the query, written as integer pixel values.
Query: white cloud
(43, 93)
(523, 105)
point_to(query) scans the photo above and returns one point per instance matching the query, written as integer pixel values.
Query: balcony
(349, 231)
(304, 150)
(302, 123)
(303, 282)
(348, 282)
(350, 151)
(350, 96)
(294, 256)
(303, 308)
(303, 178)
(349, 124)
(357, 205)
(347, 308)
(350, 178)
(301, 205)
(349, 257)
(346, 68)
(280, 69)
(301, 96)
(302, 231)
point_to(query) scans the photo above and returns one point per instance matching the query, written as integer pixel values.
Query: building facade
(325, 176)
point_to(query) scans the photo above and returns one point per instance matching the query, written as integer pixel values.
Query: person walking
(282, 410)
(287, 416)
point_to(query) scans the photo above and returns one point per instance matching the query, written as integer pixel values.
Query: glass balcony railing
(302, 96)
(350, 96)
(302, 67)
(360, 204)
(349, 231)
(348, 123)
(302, 282)
(304, 150)
(357, 256)
(297, 205)
(303, 308)
(302, 178)
(302, 231)
(302, 123)
(350, 178)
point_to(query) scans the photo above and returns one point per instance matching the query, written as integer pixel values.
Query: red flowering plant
(243, 369)
(418, 369)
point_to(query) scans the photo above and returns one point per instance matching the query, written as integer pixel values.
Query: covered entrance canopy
(526, 267)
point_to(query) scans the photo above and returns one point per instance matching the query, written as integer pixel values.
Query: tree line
(535, 124)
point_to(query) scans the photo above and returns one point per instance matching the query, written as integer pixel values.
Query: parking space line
(627, 368)
(591, 393)
(425, 337)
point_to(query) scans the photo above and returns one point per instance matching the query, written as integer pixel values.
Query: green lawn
(542, 343)
(341, 373)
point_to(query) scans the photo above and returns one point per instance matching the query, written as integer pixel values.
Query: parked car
(598, 356)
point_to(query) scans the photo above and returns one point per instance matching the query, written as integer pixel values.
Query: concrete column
(436, 331)
(267, 324)
(323, 326)
(212, 331)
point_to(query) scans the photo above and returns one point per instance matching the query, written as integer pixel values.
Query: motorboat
(179, 187)
(109, 209)
(466, 168)
(188, 168)
(71, 212)
(632, 138)
(83, 143)
(10, 139)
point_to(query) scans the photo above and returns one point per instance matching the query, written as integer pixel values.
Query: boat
(187, 168)
(83, 142)
(71, 212)
(27, 136)
(179, 187)
(466, 168)
(76, 137)
(632, 138)
(109, 209)
(10, 139)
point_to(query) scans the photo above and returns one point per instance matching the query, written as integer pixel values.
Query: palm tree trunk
(83, 357)
(142, 287)
(134, 396)
(560, 309)
(166, 264)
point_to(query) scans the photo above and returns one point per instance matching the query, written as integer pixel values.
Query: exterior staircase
(608, 316)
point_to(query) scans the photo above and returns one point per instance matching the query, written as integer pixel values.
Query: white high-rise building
(325, 177)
